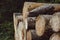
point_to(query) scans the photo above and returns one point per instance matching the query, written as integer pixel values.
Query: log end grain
(40, 25)
(55, 23)
(55, 36)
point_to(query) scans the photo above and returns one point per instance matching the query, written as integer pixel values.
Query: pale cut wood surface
(40, 25)
(55, 36)
(55, 23)
(18, 17)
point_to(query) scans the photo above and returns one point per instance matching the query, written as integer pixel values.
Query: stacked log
(31, 35)
(40, 25)
(55, 36)
(55, 23)
(31, 22)
(39, 18)
(20, 31)
(33, 6)
(41, 10)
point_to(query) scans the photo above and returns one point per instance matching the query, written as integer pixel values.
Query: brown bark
(46, 9)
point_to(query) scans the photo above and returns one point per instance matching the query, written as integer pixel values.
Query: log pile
(39, 21)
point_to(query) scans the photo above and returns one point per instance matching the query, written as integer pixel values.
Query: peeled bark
(40, 25)
(55, 23)
(55, 36)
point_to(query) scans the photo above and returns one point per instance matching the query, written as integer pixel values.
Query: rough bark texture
(45, 9)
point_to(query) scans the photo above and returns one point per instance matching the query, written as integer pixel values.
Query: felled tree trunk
(46, 9)
(31, 21)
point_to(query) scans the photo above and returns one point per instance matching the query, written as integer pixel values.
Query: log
(31, 35)
(47, 18)
(45, 9)
(15, 18)
(32, 5)
(29, 6)
(20, 28)
(55, 36)
(20, 31)
(55, 23)
(40, 25)
(57, 7)
(32, 20)
(29, 23)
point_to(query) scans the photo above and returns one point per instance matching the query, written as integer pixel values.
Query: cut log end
(55, 36)
(40, 25)
(55, 23)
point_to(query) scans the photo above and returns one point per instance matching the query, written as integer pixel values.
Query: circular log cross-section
(55, 36)
(55, 23)
(40, 25)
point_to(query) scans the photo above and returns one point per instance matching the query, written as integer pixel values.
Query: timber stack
(39, 21)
